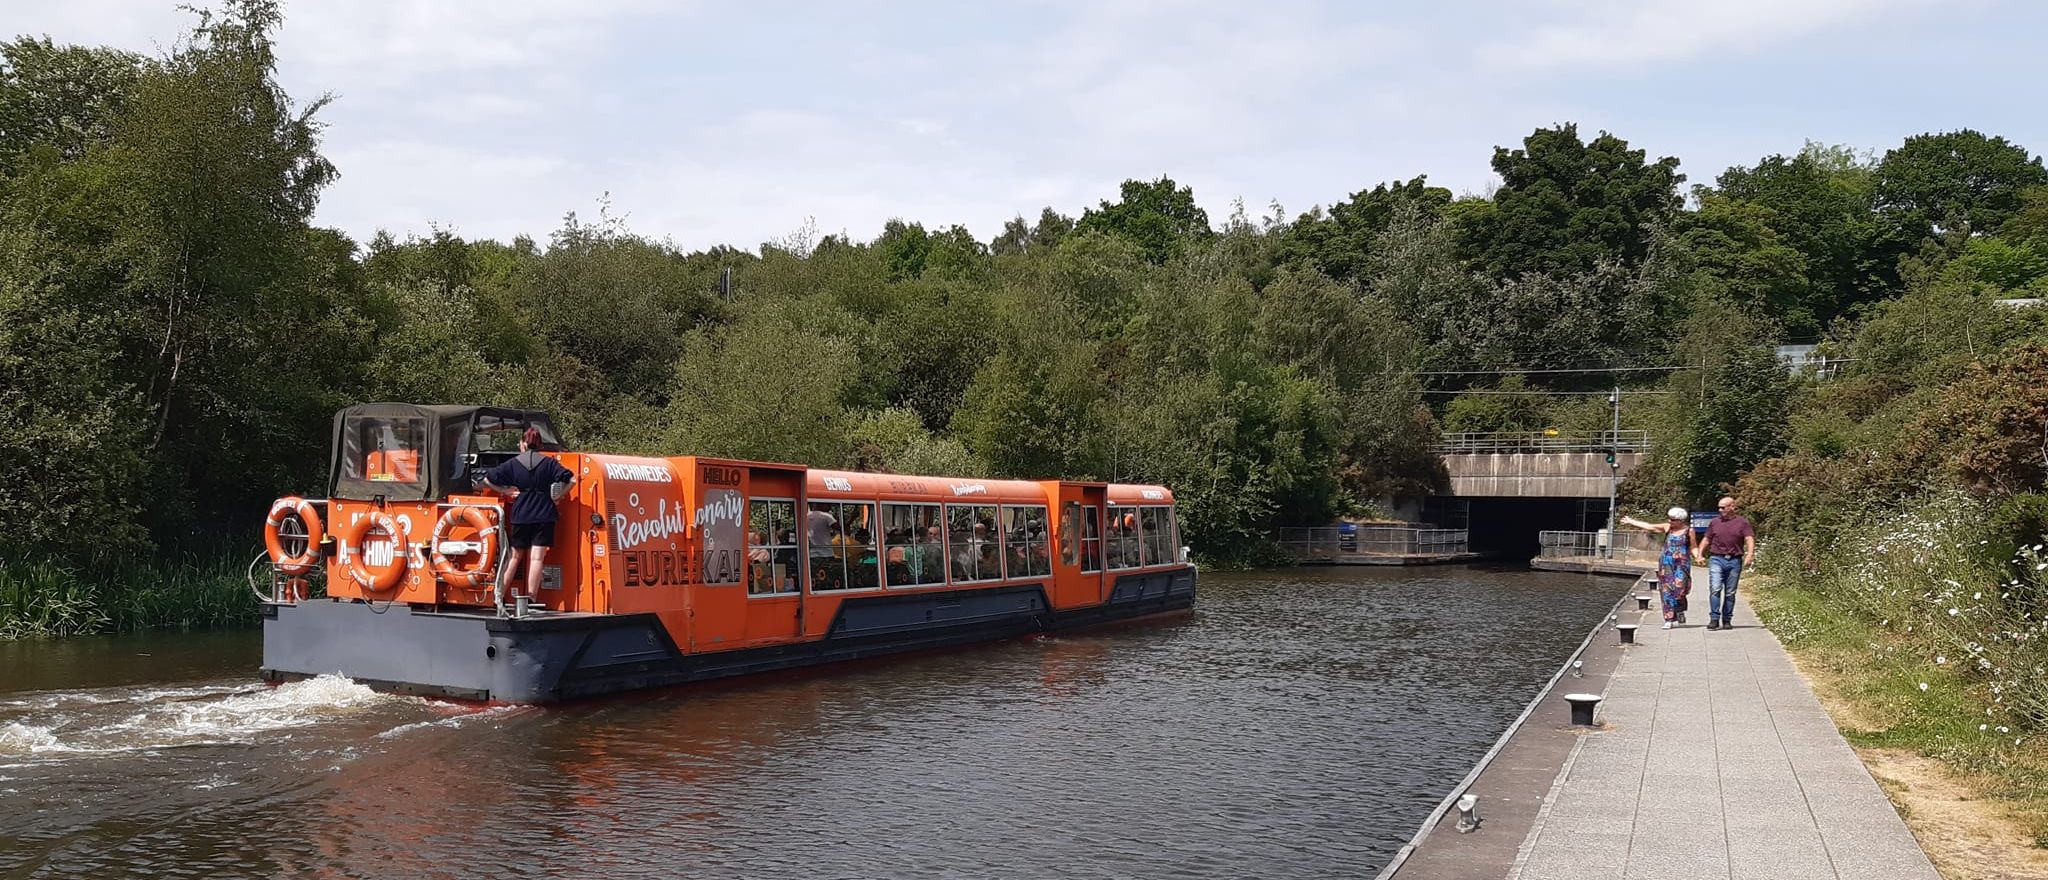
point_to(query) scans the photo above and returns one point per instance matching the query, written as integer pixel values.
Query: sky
(708, 124)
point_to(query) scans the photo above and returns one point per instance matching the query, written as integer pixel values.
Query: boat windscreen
(385, 449)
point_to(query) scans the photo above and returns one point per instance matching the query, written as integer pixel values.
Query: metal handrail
(1481, 442)
(1326, 543)
(1567, 544)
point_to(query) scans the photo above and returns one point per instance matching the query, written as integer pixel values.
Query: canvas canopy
(409, 452)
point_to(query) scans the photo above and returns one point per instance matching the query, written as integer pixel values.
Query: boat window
(771, 546)
(501, 433)
(1122, 541)
(1091, 538)
(1027, 548)
(1170, 529)
(842, 546)
(975, 550)
(913, 545)
(1070, 533)
(1152, 525)
(384, 450)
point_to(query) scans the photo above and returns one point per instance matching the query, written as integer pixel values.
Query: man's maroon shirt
(1725, 534)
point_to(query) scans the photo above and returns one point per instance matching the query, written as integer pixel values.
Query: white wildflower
(1940, 660)
(1923, 686)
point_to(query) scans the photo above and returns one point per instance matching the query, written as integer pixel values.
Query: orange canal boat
(682, 568)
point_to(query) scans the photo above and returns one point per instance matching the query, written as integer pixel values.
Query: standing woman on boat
(1674, 564)
(532, 481)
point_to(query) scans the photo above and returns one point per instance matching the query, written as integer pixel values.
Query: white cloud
(495, 118)
(1624, 32)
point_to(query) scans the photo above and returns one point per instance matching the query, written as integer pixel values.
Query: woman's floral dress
(1674, 574)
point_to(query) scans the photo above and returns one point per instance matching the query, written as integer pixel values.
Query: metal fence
(1326, 543)
(1626, 546)
(1511, 442)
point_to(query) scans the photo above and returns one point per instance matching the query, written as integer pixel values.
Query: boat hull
(554, 657)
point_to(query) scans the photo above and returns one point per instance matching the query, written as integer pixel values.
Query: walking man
(1730, 546)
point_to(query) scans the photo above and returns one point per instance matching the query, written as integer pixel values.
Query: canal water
(1299, 723)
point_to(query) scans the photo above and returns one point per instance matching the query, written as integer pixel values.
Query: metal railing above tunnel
(1335, 543)
(1526, 442)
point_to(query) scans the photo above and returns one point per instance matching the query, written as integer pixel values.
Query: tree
(1160, 216)
(1339, 242)
(1510, 407)
(1740, 421)
(1732, 246)
(1566, 205)
(1958, 178)
(62, 98)
(194, 215)
(895, 441)
(904, 247)
(1604, 316)
(616, 302)
(737, 393)
(1821, 203)
(1021, 237)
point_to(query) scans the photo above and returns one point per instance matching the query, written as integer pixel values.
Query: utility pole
(1613, 465)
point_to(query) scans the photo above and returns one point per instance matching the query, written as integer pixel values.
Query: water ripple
(1299, 724)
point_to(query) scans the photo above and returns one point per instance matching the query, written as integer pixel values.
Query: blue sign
(1700, 521)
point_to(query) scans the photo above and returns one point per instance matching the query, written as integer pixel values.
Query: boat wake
(115, 720)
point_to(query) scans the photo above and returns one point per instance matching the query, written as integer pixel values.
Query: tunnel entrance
(1505, 528)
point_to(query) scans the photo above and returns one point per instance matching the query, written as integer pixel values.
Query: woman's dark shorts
(527, 535)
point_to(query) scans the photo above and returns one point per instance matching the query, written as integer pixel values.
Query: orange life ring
(306, 560)
(374, 577)
(477, 518)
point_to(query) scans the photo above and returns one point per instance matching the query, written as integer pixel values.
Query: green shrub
(42, 599)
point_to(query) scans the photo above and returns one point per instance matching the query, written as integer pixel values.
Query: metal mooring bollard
(1468, 813)
(1582, 708)
(1628, 633)
(1642, 603)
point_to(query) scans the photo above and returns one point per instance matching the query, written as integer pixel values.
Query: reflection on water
(1300, 723)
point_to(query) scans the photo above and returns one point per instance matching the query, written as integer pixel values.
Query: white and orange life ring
(374, 576)
(273, 540)
(479, 519)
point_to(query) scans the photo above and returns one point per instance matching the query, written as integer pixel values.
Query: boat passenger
(533, 482)
(760, 564)
(785, 560)
(930, 560)
(864, 572)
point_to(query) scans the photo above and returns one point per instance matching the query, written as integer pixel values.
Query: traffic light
(1610, 460)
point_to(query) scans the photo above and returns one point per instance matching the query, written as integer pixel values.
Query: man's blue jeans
(1723, 573)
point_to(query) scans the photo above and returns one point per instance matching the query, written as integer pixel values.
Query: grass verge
(1894, 704)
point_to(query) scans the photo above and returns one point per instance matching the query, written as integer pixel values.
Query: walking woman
(1674, 564)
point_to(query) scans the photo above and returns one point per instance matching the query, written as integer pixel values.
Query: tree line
(175, 331)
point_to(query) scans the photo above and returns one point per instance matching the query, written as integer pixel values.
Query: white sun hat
(1676, 513)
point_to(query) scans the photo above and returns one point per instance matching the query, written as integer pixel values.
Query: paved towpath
(1715, 761)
